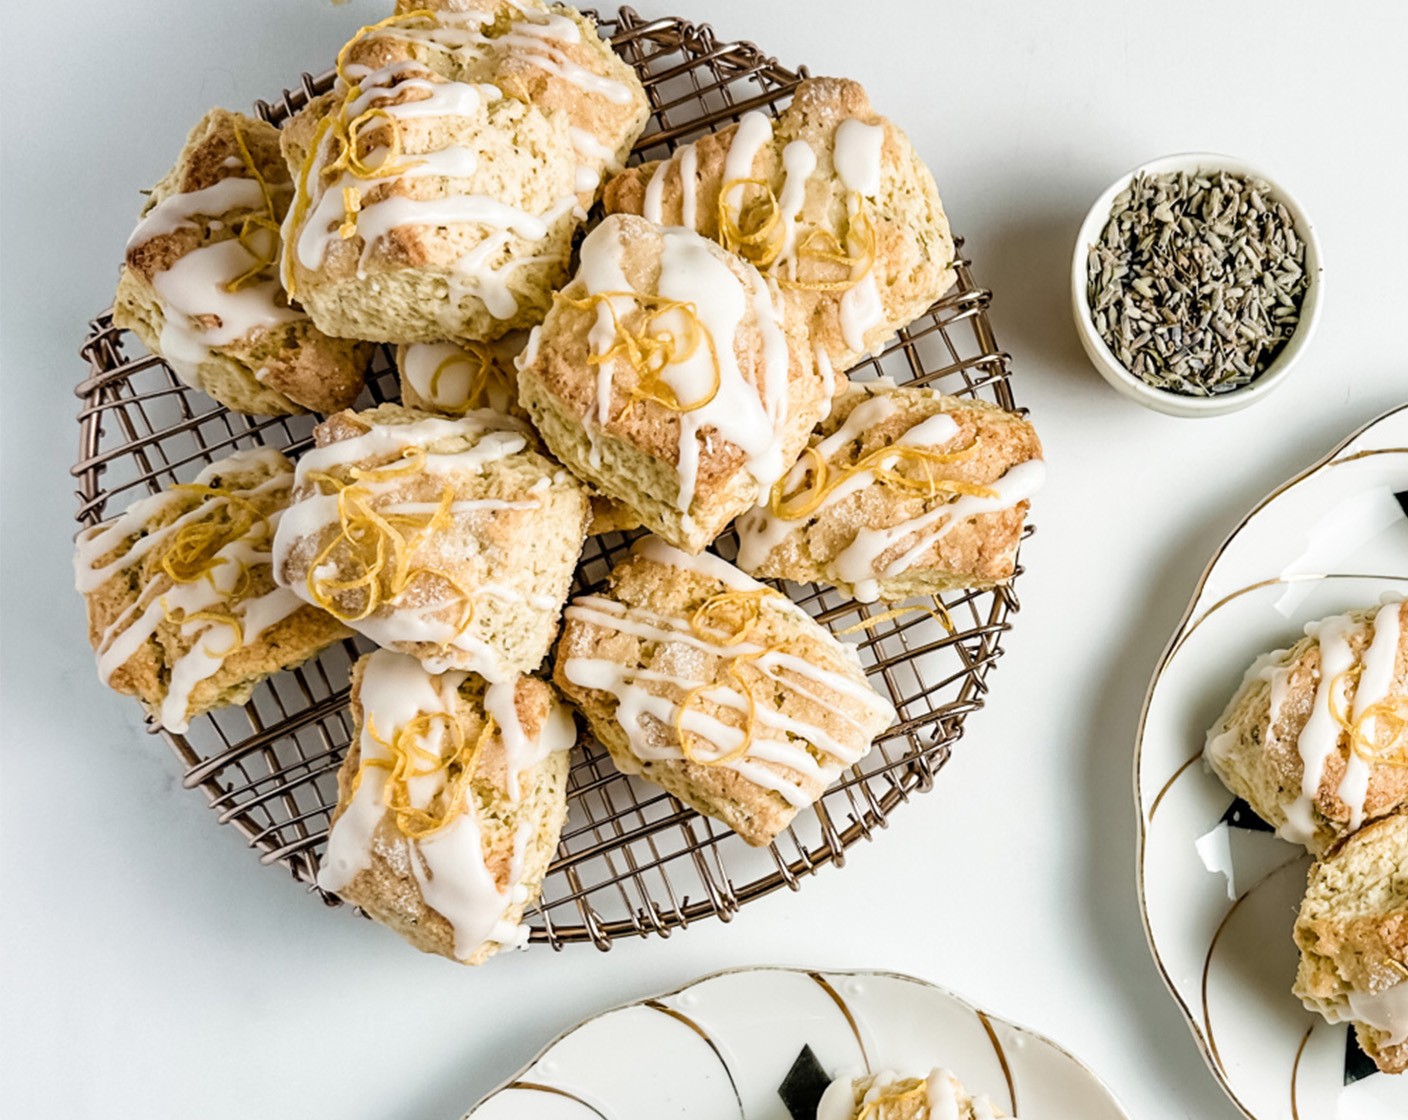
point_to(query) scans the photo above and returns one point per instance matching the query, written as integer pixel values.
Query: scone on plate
(449, 804)
(830, 200)
(717, 688)
(453, 378)
(890, 1096)
(1314, 739)
(451, 540)
(901, 491)
(199, 284)
(667, 376)
(434, 199)
(183, 611)
(1353, 939)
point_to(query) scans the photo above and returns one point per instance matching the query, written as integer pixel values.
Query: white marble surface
(151, 967)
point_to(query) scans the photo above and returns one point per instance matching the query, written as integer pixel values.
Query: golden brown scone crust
(634, 456)
(914, 248)
(146, 674)
(1262, 764)
(1353, 931)
(387, 890)
(286, 367)
(515, 563)
(979, 552)
(651, 590)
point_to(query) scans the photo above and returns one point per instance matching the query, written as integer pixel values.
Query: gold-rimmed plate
(721, 1047)
(1218, 891)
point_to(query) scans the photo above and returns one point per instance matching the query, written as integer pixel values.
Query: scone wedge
(901, 492)
(199, 282)
(1353, 937)
(717, 688)
(450, 803)
(183, 610)
(451, 540)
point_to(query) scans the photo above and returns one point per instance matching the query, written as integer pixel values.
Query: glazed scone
(718, 689)
(449, 804)
(551, 56)
(1307, 740)
(183, 611)
(199, 285)
(431, 201)
(888, 1096)
(830, 200)
(666, 375)
(453, 378)
(1353, 939)
(902, 491)
(450, 540)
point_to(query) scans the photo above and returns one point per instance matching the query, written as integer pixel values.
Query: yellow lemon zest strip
(750, 721)
(351, 206)
(649, 352)
(191, 553)
(223, 618)
(479, 376)
(404, 19)
(812, 497)
(409, 759)
(1380, 734)
(753, 241)
(823, 245)
(729, 616)
(888, 1097)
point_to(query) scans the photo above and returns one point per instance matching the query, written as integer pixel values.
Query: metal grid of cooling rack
(632, 859)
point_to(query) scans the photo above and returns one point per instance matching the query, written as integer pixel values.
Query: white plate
(719, 1049)
(1218, 897)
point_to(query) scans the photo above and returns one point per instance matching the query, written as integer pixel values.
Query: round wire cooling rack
(632, 860)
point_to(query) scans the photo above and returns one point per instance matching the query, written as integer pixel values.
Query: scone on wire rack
(451, 540)
(431, 201)
(901, 492)
(450, 802)
(183, 610)
(1353, 937)
(829, 200)
(667, 376)
(453, 377)
(891, 1096)
(199, 283)
(1316, 737)
(717, 688)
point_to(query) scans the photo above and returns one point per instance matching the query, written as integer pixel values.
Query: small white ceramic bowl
(1164, 400)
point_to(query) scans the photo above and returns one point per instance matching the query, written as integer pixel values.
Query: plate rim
(802, 970)
(1173, 644)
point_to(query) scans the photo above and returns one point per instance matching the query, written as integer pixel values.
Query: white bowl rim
(1166, 400)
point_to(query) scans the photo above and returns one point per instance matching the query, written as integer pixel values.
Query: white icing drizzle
(176, 211)
(212, 642)
(856, 157)
(653, 209)
(1385, 1011)
(777, 738)
(858, 563)
(798, 163)
(448, 866)
(688, 157)
(458, 375)
(313, 512)
(1320, 736)
(1375, 682)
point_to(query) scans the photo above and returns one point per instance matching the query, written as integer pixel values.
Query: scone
(431, 202)
(1353, 939)
(901, 492)
(888, 1096)
(830, 200)
(666, 375)
(199, 284)
(453, 378)
(183, 611)
(719, 689)
(551, 56)
(450, 540)
(449, 804)
(1316, 737)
